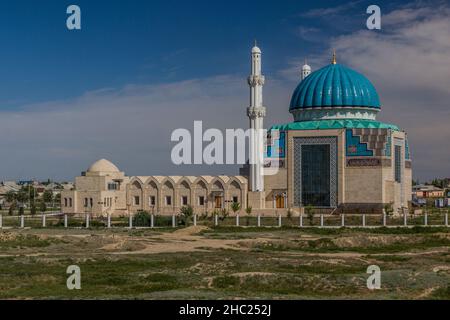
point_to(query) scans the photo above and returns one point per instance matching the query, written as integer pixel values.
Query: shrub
(389, 208)
(223, 214)
(12, 208)
(186, 213)
(42, 207)
(142, 219)
(310, 214)
(235, 206)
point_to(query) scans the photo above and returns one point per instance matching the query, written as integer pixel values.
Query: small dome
(255, 49)
(306, 67)
(103, 165)
(335, 86)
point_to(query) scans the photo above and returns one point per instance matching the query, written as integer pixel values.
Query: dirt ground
(203, 263)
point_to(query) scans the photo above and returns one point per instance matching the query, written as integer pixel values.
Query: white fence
(174, 221)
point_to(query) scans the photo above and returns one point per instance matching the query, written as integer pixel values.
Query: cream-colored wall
(276, 182)
(364, 185)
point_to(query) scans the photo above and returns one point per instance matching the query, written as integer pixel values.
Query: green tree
(12, 208)
(47, 196)
(10, 196)
(235, 206)
(22, 196)
(42, 206)
(389, 208)
(33, 209)
(57, 199)
(223, 214)
(310, 214)
(248, 211)
(141, 219)
(186, 212)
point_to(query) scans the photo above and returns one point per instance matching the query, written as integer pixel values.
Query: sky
(137, 70)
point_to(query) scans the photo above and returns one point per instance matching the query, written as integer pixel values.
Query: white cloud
(409, 63)
(131, 126)
(330, 11)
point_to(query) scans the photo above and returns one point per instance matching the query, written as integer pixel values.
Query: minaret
(306, 70)
(256, 113)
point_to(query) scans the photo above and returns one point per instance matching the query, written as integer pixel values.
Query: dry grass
(203, 263)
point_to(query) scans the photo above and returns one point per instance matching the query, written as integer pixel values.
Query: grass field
(225, 263)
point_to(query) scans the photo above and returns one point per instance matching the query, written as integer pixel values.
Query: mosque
(335, 156)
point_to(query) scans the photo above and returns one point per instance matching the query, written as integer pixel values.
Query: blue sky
(139, 69)
(125, 42)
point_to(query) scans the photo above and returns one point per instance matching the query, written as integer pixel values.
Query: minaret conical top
(334, 61)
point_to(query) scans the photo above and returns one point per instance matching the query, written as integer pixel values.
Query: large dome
(103, 165)
(335, 86)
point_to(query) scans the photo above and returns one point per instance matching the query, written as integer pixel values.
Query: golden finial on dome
(334, 57)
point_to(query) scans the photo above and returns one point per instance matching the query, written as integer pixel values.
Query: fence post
(279, 221)
(152, 221)
(88, 217)
(364, 220)
(22, 221)
(237, 220)
(44, 222)
(301, 220)
(321, 220)
(195, 220)
(405, 219)
(173, 221)
(1, 221)
(259, 220)
(343, 220)
(216, 220)
(426, 218)
(130, 222)
(65, 221)
(109, 221)
(446, 220)
(384, 219)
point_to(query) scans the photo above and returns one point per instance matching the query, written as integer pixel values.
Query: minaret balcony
(256, 112)
(256, 80)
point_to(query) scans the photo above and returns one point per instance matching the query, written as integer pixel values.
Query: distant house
(423, 191)
(67, 186)
(5, 187)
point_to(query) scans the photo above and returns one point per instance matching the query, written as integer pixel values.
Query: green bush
(142, 219)
(186, 213)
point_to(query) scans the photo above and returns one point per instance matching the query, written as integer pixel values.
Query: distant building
(5, 187)
(428, 191)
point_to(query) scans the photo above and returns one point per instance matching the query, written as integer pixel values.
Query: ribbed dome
(103, 165)
(335, 86)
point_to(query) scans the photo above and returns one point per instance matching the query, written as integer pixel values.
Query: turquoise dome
(335, 86)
